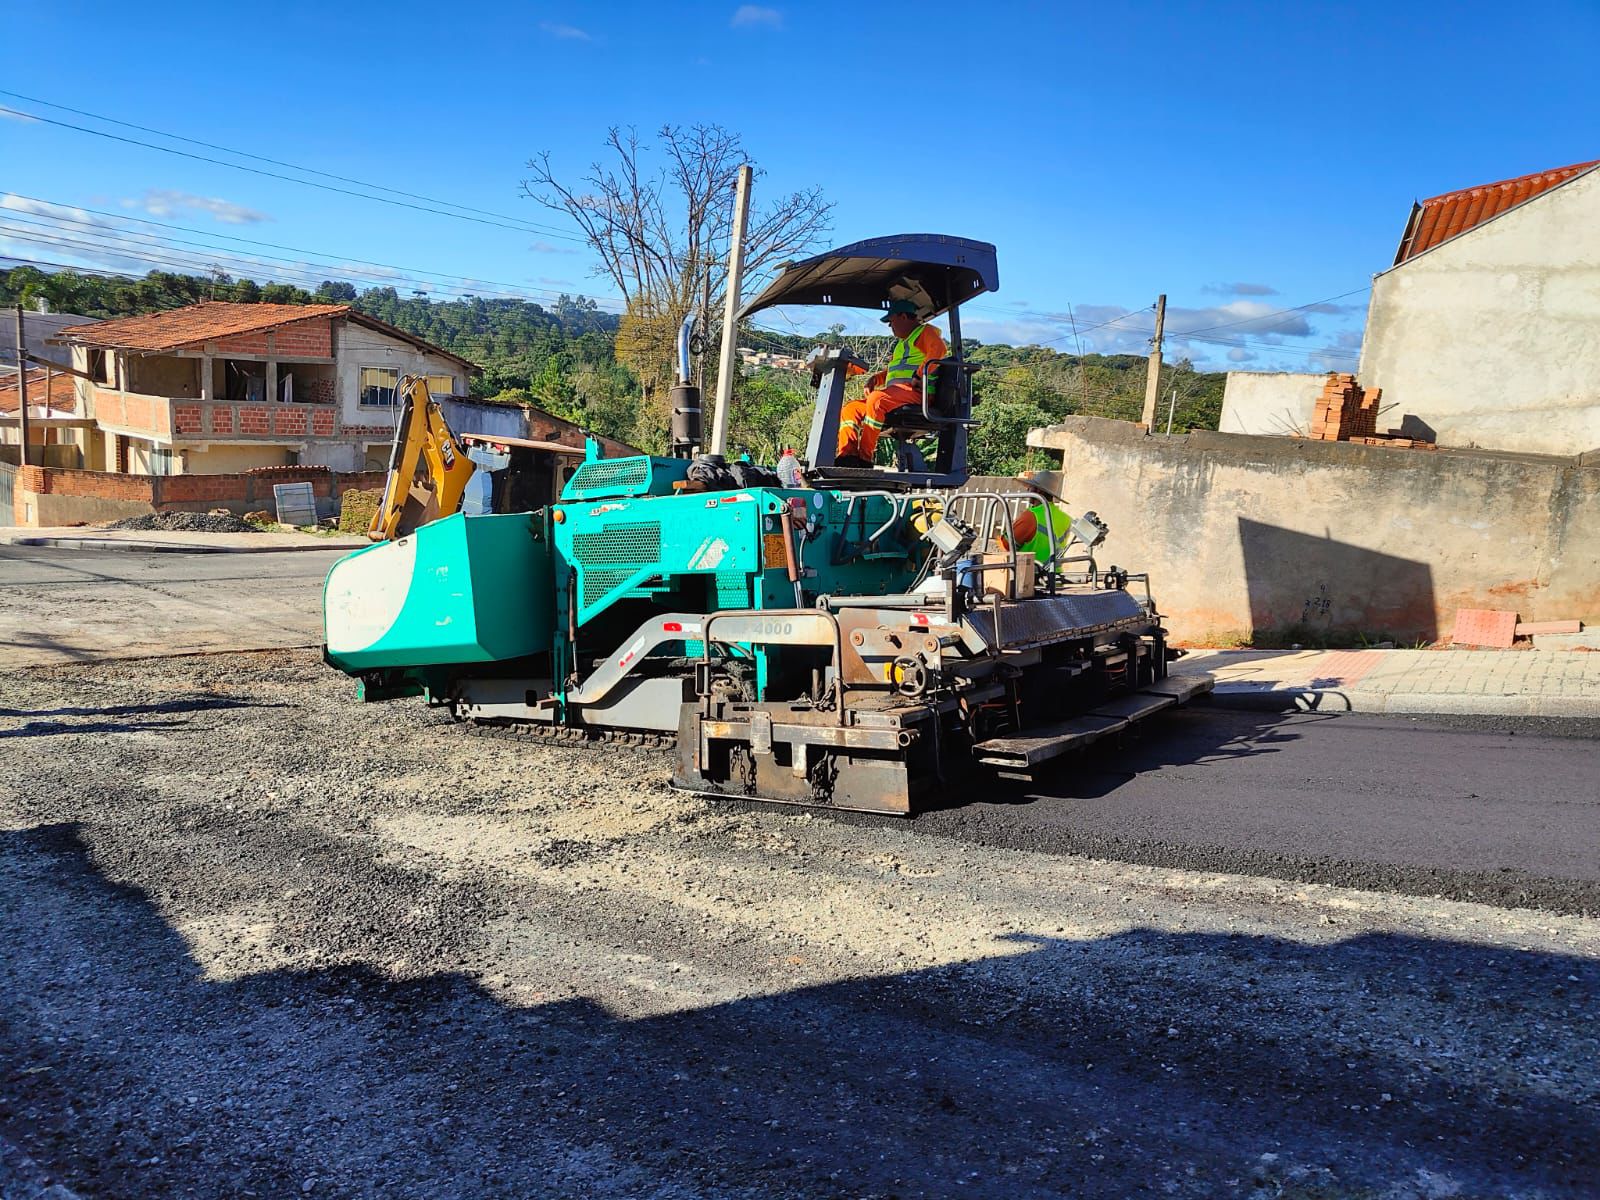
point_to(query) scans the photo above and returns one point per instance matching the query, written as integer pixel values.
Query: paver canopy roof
(933, 270)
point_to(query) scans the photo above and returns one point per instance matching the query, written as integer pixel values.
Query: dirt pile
(186, 522)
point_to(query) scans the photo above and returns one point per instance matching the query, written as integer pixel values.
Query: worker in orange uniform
(898, 384)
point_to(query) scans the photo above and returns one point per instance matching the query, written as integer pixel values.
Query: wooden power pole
(1152, 379)
(22, 390)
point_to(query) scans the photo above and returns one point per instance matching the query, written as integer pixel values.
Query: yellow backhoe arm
(428, 468)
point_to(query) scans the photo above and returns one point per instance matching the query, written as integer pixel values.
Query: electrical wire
(255, 262)
(1282, 311)
(327, 187)
(278, 162)
(340, 260)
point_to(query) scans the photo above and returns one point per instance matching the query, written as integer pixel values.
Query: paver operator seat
(935, 272)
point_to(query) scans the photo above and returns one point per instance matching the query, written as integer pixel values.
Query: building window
(377, 387)
(161, 462)
(441, 385)
(100, 366)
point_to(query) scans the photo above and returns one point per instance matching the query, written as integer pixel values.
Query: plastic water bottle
(789, 470)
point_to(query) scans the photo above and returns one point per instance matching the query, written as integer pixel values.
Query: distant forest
(562, 358)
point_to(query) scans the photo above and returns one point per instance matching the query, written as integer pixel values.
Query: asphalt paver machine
(876, 639)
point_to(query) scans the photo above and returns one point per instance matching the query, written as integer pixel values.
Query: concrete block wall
(1252, 537)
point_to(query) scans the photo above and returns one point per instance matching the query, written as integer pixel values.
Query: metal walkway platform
(1024, 751)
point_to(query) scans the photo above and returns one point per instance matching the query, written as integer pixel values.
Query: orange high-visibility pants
(861, 421)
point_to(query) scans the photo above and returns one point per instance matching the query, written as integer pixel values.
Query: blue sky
(1243, 158)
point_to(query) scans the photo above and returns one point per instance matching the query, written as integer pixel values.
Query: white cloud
(12, 114)
(754, 16)
(1240, 289)
(164, 202)
(569, 33)
(1240, 355)
(551, 248)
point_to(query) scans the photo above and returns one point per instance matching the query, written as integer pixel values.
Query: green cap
(900, 306)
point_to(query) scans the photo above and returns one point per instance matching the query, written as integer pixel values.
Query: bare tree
(661, 228)
(660, 232)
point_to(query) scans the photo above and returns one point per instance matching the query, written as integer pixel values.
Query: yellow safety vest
(905, 359)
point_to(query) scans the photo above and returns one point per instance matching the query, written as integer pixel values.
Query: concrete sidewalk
(1528, 683)
(84, 537)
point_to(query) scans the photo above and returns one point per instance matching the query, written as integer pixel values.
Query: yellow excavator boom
(428, 467)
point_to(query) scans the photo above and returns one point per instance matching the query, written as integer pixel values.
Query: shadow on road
(1091, 1068)
(116, 717)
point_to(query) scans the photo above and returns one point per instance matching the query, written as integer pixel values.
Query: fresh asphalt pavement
(59, 606)
(1499, 810)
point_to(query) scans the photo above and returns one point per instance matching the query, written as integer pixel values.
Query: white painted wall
(355, 346)
(1277, 403)
(1492, 339)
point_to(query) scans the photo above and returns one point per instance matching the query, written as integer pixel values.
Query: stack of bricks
(1345, 411)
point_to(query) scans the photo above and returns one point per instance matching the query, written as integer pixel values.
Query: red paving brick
(1485, 627)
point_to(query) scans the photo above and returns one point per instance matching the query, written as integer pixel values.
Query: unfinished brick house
(218, 387)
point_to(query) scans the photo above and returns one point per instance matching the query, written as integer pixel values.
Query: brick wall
(304, 339)
(308, 339)
(323, 391)
(244, 343)
(255, 420)
(289, 422)
(186, 418)
(322, 422)
(240, 492)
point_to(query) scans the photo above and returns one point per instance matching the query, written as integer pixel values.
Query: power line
(1283, 311)
(339, 260)
(327, 187)
(253, 262)
(192, 262)
(277, 162)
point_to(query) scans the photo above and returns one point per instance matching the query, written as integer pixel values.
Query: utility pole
(1152, 379)
(730, 315)
(22, 389)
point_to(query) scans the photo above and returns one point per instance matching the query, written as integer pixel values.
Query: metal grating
(609, 477)
(638, 544)
(733, 589)
(611, 557)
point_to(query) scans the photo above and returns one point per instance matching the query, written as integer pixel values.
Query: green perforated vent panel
(733, 589)
(609, 477)
(611, 557)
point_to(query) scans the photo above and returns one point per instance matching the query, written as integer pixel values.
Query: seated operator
(898, 384)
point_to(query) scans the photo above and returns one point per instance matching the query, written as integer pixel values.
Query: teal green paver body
(465, 589)
(573, 580)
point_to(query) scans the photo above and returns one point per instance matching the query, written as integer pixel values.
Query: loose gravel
(186, 522)
(263, 941)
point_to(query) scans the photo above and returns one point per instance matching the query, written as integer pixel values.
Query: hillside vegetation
(562, 358)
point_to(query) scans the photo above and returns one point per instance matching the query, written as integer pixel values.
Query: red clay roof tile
(1442, 217)
(63, 392)
(194, 324)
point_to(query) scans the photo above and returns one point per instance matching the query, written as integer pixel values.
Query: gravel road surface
(60, 606)
(261, 941)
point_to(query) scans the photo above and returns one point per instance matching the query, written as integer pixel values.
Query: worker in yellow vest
(898, 384)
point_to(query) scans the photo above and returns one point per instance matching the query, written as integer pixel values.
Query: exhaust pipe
(687, 428)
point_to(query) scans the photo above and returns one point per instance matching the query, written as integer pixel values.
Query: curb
(1447, 704)
(114, 544)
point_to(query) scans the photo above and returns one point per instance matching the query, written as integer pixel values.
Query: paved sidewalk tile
(1563, 683)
